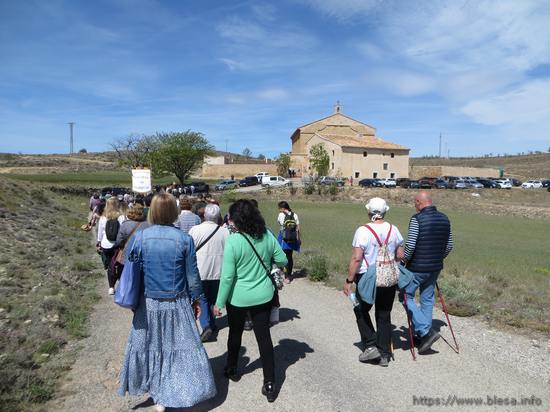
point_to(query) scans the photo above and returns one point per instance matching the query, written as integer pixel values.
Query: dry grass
(47, 283)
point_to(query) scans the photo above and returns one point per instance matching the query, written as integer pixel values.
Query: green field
(500, 267)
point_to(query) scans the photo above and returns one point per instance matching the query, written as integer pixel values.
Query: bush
(293, 190)
(309, 189)
(461, 299)
(317, 268)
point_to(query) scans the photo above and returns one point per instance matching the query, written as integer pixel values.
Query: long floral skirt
(165, 357)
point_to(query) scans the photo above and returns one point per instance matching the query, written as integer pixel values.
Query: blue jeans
(422, 316)
(207, 301)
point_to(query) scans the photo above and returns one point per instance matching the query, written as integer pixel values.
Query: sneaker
(111, 291)
(427, 341)
(159, 408)
(231, 373)
(384, 361)
(370, 354)
(248, 325)
(206, 335)
(268, 390)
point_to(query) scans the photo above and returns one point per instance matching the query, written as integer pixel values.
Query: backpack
(111, 229)
(290, 229)
(387, 269)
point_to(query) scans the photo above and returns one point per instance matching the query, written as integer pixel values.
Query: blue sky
(248, 73)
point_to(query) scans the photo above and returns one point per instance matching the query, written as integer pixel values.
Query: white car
(532, 184)
(388, 182)
(275, 181)
(261, 175)
(503, 184)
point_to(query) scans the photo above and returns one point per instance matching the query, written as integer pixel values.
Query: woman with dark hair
(289, 235)
(245, 286)
(165, 356)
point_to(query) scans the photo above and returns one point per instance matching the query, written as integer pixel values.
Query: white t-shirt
(102, 236)
(281, 219)
(364, 239)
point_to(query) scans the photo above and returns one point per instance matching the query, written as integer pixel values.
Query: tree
(247, 152)
(319, 159)
(261, 156)
(283, 164)
(134, 150)
(82, 151)
(179, 153)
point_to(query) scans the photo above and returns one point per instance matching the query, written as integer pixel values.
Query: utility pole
(226, 146)
(71, 125)
(440, 145)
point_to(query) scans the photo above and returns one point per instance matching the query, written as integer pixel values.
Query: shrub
(461, 299)
(309, 189)
(317, 268)
(293, 190)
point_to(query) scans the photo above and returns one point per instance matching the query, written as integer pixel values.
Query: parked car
(249, 181)
(378, 183)
(226, 184)
(329, 180)
(489, 184)
(388, 182)
(275, 181)
(402, 181)
(199, 187)
(261, 175)
(441, 184)
(515, 182)
(503, 184)
(425, 183)
(532, 184)
(474, 183)
(411, 184)
(458, 184)
(367, 182)
(545, 183)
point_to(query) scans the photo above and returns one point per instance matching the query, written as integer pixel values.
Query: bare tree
(134, 150)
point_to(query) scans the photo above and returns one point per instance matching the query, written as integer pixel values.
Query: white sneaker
(159, 408)
(111, 291)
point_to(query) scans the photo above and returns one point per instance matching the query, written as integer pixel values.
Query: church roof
(346, 132)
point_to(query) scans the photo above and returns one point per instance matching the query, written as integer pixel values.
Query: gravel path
(317, 363)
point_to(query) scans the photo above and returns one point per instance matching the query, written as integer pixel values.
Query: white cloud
(344, 9)
(273, 94)
(527, 104)
(401, 82)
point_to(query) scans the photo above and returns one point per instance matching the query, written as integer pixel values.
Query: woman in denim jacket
(165, 356)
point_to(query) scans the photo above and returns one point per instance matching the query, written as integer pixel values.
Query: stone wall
(237, 170)
(417, 172)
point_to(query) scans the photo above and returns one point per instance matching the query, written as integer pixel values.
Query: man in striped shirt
(429, 242)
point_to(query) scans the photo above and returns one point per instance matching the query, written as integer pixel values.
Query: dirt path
(317, 363)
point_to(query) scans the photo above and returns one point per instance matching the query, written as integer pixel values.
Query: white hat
(377, 205)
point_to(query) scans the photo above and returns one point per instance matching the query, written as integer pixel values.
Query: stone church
(353, 147)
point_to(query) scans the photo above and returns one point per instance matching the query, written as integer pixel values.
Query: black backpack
(290, 229)
(111, 229)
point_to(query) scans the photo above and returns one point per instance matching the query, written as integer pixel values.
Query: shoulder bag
(275, 276)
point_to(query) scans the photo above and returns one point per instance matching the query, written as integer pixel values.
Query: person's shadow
(287, 353)
(286, 314)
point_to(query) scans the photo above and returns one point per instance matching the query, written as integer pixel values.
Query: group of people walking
(197, 264)
(379, 246)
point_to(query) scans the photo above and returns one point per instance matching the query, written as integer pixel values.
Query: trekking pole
(444, 306)
(411, 341)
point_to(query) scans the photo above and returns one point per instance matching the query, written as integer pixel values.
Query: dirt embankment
(47, 278)
(51, 164)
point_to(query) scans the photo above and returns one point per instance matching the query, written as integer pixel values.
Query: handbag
(128, 291)
(274, 275)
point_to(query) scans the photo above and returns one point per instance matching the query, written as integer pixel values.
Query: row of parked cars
(454, 182)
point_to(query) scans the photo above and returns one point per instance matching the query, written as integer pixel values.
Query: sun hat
(377, 205)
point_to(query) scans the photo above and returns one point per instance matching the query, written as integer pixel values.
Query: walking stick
(411, 340)
(444, 306)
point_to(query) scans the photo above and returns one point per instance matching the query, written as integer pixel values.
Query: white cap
(377, 205)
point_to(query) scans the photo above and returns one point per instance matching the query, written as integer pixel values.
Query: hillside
(534, 166)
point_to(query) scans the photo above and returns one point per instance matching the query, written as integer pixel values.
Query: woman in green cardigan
(246, 287)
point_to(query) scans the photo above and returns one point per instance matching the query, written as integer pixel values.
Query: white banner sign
(141, 180)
